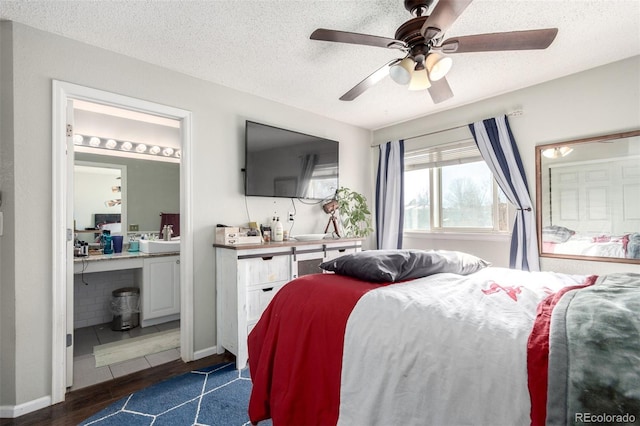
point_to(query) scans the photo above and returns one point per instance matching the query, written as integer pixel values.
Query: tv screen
(284, 163)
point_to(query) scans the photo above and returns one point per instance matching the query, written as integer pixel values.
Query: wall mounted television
(284, 163)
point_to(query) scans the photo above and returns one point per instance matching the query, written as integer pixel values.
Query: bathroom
(126, 173)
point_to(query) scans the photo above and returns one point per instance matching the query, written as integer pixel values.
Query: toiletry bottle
(279, 231)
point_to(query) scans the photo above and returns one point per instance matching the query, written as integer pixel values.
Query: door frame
(63, 92)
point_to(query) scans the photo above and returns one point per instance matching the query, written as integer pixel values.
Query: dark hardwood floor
(84, 403)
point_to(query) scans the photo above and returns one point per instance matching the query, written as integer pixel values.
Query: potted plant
(354, 213)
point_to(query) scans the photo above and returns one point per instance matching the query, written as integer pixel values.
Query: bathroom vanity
(156, 274)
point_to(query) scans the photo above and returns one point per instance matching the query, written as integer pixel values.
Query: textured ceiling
(263, 47)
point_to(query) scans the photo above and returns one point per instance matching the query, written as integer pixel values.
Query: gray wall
(7, 240)
(35, 58)
(595, 102)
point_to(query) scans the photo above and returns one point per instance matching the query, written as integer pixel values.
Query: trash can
(125, 305)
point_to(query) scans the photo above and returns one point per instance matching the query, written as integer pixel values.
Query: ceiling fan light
(557, 152)
(438, 66)
(565, 150)
(419, 80)
(401, 72)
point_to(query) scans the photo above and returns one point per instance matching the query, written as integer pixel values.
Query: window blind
(442, 155)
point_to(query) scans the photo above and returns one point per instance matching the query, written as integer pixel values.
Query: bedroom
(567, 108)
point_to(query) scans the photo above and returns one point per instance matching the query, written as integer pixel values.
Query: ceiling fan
(425, 63)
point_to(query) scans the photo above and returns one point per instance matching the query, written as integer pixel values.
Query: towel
(171, 219)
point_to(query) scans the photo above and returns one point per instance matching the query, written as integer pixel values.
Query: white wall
(595, 102)
(35, 58)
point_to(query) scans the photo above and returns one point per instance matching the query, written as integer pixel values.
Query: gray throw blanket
(594, 354)
(633, 246)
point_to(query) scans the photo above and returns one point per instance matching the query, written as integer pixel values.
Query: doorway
(63, 229)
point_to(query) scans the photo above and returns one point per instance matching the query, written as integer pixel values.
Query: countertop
(121, 256)
(288, 243)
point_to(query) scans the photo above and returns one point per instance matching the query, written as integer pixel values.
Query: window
(323, 180)
(450, 188)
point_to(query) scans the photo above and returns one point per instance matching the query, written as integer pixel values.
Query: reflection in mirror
(100, 196)
(152, 187)
(588, 198)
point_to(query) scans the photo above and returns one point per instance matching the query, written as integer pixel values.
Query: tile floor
(85, 372)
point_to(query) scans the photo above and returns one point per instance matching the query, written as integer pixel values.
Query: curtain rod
(515, 113)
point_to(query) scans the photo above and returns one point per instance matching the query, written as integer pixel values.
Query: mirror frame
(539, 149)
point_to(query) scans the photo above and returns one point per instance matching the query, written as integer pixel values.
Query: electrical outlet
(291, 216)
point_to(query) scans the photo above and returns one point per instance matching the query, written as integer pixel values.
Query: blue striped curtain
(390, 195)
(498, 148)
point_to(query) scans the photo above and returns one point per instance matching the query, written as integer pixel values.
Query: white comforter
(454, 347)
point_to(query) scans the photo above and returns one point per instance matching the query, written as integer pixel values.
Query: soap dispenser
(278, 233)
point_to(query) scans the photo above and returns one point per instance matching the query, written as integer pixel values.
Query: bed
(442, 338)
(560, 240)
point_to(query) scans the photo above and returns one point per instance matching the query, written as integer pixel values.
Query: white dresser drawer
(259, 298)
(263, 270)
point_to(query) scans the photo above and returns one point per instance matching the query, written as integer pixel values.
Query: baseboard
(11, 412)
(203, 353)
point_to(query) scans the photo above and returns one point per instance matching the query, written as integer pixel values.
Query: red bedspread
(308, 326)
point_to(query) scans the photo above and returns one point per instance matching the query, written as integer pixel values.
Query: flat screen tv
(284, 163)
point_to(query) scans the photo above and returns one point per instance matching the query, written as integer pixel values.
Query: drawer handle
(267, 257)
(342, 250)
(267, 289)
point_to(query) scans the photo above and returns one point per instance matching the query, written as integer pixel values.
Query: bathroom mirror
(151, 188)
(588, 198)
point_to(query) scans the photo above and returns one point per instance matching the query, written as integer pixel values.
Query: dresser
(249, 275)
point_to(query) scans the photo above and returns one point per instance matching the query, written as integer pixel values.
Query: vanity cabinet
(249, 276)
(160, 290)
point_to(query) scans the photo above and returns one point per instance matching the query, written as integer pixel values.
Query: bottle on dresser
(278, 230)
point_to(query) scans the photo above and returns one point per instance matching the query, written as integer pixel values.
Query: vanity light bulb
(154, 150)
(78, 139)
(111, 144)
(167, 152)
(94, 141)
(126, 146)
(141, 148)
(178, 154)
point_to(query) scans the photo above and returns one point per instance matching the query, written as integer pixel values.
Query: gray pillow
(556, 234)
(380, 266)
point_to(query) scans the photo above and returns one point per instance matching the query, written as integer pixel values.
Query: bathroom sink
(159, 246)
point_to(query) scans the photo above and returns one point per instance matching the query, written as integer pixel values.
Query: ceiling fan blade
(440, 90)
(355, 38)
(368, 82)
(514, 40)
(443, 16)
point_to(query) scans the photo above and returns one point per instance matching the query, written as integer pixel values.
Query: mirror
(588, 198)
(148, 188)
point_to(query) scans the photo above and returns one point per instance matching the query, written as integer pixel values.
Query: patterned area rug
(217, 395)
